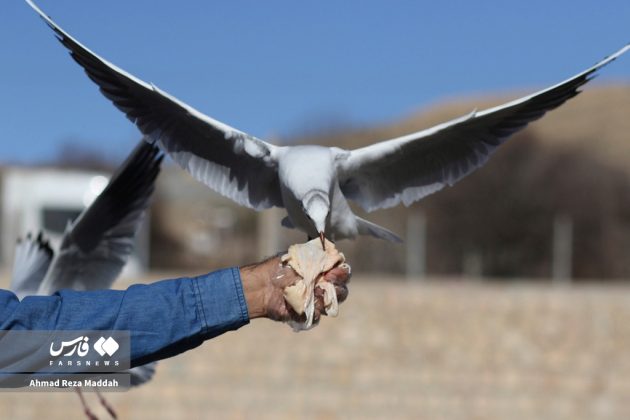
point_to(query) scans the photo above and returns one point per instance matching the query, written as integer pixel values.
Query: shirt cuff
(220, 301)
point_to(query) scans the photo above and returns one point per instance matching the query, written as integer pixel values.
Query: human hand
(264, 283)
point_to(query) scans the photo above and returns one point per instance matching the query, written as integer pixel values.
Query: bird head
(317, 207)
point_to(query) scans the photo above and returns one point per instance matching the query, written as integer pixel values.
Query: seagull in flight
(315, 183)
(95, 247)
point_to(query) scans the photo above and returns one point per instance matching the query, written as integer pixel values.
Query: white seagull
(314, 183)
(96, 246)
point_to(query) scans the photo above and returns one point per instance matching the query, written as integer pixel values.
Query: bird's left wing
(235, 164)
(96, 246)
(411, 167)
(30, 264)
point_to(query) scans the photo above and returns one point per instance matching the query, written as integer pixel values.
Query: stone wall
(437, 350)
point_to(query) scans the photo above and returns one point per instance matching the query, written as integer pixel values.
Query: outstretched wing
(233, 163)
(31, 261)
(411, 167)
(96, 246)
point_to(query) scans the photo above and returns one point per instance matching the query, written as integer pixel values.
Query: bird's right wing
(30, 264)
(411, 167)
(233, 163)
(96, 246)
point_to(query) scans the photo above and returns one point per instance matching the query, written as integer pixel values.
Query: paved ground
(439, 350)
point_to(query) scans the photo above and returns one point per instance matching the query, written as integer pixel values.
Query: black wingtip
(40, 241)
(43, 243)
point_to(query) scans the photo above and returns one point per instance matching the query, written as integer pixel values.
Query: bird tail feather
(369, 228)
(140, 375)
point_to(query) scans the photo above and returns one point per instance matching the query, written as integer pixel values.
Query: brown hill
(573, 162)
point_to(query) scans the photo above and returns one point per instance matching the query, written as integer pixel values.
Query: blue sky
(273, 68)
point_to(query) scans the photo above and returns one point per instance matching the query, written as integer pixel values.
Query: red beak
(323, 239)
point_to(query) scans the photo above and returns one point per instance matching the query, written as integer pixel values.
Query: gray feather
(142, 374)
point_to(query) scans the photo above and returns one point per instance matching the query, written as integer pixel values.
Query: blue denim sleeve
(164, 318)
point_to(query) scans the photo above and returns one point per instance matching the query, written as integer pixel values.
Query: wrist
(256, 284)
